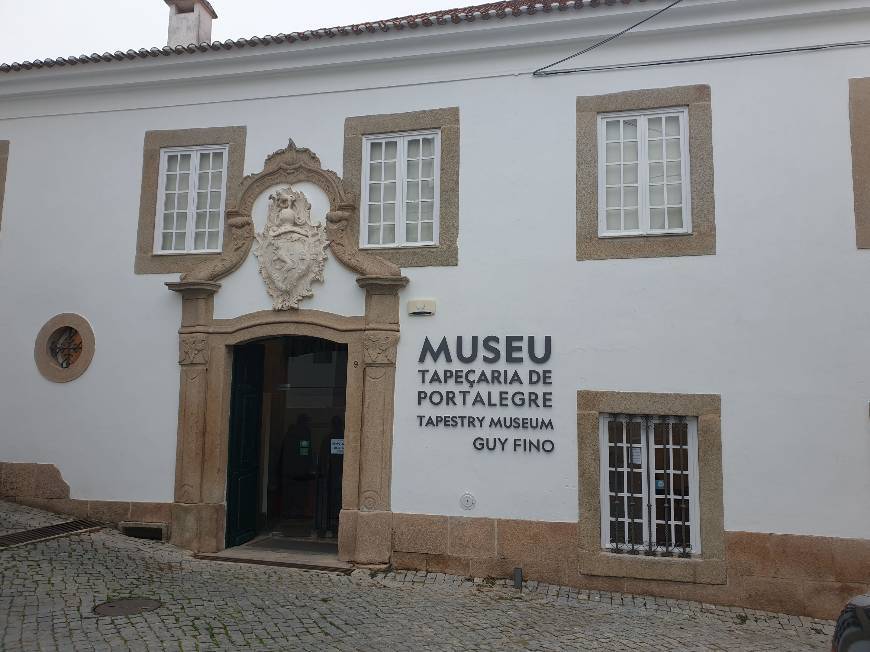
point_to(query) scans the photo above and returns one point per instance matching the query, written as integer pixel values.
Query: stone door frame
(205, 357)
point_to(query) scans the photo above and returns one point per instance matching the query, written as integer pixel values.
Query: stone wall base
(795, 574)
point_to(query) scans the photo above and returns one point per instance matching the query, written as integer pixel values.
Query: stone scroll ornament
(291, 251)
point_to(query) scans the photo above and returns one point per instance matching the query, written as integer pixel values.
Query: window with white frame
(643, 173)
(401, 179)
(191, 197)
(649, 485)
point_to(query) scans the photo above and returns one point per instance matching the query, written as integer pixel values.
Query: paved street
(49, 590)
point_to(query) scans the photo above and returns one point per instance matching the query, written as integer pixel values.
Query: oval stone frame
(47, 367)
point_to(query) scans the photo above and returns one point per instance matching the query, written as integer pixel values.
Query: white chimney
(190, 21)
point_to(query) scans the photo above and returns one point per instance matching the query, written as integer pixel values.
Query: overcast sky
(38, 29)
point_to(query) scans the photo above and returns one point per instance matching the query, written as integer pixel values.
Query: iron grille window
(649, 481)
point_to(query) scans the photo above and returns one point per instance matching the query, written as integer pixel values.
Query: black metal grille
(648, 489)
(65, 346)
(48, 532)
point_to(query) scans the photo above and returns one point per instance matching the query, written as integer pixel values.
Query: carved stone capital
(380, 348)
(379, 284)
(193, 349)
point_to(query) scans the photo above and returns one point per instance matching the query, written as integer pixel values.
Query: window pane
(426, 232)
(389, 192)
(179, 242)
(375, 170)
(674, 171)
(205, 161)
(412, 211)
(656, 195)
(166, 242)
(172, 163)
(613, 177)
(414, 148)
(168, 202)
(629, 196)
(672, 125)
(376, 151)
(411, 229)
(629, 129)
(412, 192)
(390, 171)
(214, 219)
(675, 218)
(675, 194)
(388, 213)
(202, 200)
(429, 146)
(614, 197)
(657, 218)
(631, 219)
(614, 220)
(217, 180)
(212, 240)
(614, 154)
(171, 182)
(427, 189)
(656, 173)
(629, 152)
(184, 162)
(428, 171)
(629, 173)
(390, 150)
(389, 236)
(612, 129)
(413, 169)
(655, 127)
(374, 234)
(217, 161)
(180, 221)
(374, 213)
(202, 180)
(374, 192)
(427, 210)
(201, 219)
(214, 199)
(673, 148)
(655, 150)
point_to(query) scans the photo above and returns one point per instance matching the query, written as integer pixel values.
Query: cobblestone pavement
(48, 591)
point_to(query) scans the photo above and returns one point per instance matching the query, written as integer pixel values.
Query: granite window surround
(149, 262)
(859, 119)
(4, 161)
(702, 239)
(708, 567)
(446, 121)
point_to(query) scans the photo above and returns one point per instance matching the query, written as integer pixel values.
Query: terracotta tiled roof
(488, 11)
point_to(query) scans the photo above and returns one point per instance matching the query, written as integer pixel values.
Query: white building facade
(608, 326)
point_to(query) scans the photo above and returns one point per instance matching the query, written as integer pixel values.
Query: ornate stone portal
(291, 251)
(206, 349)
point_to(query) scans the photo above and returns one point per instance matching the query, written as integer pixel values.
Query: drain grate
(126, 607)
(48, 532)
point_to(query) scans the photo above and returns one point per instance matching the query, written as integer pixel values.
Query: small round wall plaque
(467, 501)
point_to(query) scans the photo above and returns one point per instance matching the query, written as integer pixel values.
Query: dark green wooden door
(243, 464)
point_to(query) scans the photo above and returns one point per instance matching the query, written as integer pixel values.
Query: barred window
(191, 200)
(649, 481)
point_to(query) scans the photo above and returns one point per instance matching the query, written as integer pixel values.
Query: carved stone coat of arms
(291, 251)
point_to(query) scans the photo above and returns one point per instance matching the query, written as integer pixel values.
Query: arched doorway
(286, 442)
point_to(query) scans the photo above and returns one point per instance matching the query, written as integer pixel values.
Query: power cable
(540, 71)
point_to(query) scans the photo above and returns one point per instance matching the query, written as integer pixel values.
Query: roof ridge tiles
(467, 14)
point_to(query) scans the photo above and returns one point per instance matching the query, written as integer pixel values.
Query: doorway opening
(286, 444)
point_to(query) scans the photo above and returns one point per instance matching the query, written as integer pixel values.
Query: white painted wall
(776, 322)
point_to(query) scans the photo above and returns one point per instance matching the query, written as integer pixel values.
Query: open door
(244, 443)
